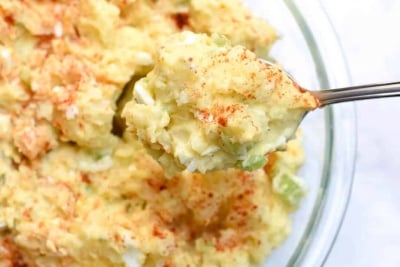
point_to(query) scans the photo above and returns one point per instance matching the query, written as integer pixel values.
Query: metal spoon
(352, 93)
(274, 131)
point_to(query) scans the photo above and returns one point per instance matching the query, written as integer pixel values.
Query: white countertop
(369, 31)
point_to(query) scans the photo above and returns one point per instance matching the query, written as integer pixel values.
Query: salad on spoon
(208, 105)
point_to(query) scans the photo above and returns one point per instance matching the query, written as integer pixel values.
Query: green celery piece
(253, 162)
(289, 187)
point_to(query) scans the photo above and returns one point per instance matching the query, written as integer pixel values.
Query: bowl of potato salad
(152, 133)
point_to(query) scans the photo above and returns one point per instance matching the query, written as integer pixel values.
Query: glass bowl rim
(333, 115)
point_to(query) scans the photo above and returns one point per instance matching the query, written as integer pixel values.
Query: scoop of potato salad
(208, 105)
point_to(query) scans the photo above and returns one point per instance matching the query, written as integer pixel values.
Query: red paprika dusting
(9, 19)
(181, 20)
(157, 232)
(9, 254)
(85, 178)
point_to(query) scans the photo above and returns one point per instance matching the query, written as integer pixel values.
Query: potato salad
(98, 167)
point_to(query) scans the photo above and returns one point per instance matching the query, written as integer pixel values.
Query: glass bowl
(309, 50)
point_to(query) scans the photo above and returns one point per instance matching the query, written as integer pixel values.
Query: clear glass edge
(351, 145)
(332, 116)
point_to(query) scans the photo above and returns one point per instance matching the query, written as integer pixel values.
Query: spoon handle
(361, 92)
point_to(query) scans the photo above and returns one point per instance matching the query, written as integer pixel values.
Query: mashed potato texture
(75, 194)
(79, 208)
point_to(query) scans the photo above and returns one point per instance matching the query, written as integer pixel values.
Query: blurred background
(369, 31)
